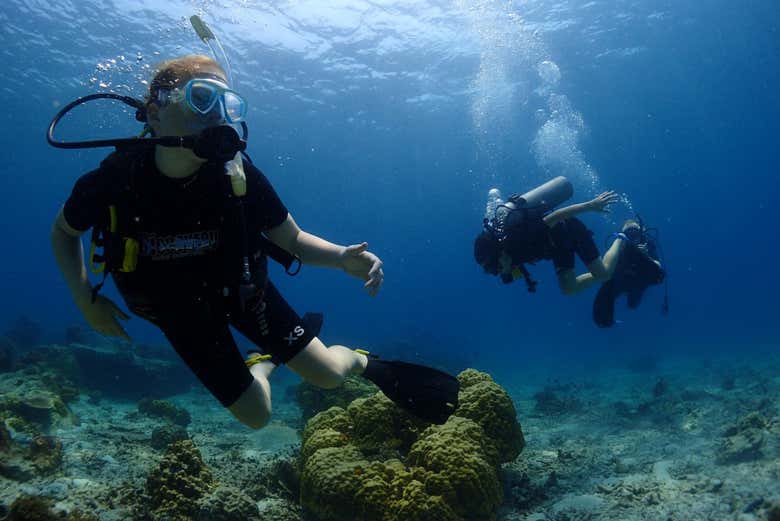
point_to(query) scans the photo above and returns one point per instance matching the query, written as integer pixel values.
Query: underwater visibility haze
(390, 122)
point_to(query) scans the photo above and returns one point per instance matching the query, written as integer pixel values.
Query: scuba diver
(186, 223)
(639, 268)
(525, 229)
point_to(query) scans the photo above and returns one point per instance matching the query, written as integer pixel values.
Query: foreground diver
(184, 245)
(525, 229)
(639, 268)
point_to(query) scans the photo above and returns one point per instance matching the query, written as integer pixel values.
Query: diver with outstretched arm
(186, 224)
(525, 229)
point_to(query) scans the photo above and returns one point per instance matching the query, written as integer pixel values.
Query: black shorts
(569, 237)
(198, 328)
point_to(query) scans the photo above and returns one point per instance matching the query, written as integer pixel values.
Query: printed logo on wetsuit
(294, 335)
(164, 247)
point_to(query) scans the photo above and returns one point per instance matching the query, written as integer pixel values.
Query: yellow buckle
(256, 359)
(130, 260)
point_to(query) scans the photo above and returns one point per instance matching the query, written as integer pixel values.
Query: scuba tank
(545, 197)
(501, 215)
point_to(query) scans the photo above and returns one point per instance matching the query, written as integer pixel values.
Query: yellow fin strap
(517, 273)
(256, 359)
(362, 352)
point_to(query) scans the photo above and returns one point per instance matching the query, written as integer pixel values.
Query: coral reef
(39, 407)
(743, 441)
(178, 483)
(37, 508)
(164, 435)
(279, 479)
(486, 403)
(182, 488)
(165, 410)
(42, 456)
(371, 461)
(45, 454)
(279, 510)
(226, 504)
(313, 399)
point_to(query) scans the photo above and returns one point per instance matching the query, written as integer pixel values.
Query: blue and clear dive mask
(207, 97)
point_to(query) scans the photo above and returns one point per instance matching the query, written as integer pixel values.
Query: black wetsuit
(635, 272)
(184, 229)
(560, 243)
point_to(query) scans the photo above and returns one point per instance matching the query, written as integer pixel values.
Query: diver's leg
(604, 305)
(600, 269)
(253, 407)
(610, 259)
(635, 297)
(571, 284)
(271, 323)
(203, 340)
(581, 241)
(327, 367)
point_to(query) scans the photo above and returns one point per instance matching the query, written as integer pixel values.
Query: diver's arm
(564, 213)
(309, 248)
(101, 314)
(599, 204)
(69, 254)
(356, 260)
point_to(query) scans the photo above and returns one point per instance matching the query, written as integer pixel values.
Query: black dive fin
(313, 322)
(425, 392)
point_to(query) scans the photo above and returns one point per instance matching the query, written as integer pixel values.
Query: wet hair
(487, 250)
(172, 73)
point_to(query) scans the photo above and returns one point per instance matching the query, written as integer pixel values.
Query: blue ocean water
(389, 122)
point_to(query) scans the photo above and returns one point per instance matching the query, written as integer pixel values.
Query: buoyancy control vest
(119, 235)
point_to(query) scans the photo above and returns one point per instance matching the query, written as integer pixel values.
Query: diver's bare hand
(602, 202)
(102, 316)
(361, 263)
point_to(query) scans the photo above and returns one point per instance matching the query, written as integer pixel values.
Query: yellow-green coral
(463, 462)
(374, 462)
(378, 424)
(488, 404)
(313, 399)
(330, 481)
(177, 484)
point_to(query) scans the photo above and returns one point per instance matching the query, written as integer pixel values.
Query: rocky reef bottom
(678, 439)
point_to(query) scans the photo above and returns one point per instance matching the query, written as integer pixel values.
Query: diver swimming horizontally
(186, 223)
(526, 229)
(639, 268)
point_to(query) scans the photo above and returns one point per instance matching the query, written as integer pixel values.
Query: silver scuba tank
(547, 196)
(541, 200)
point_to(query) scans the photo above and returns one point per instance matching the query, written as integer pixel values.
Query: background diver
(187, 247)
(525, 229)
(638, 268)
